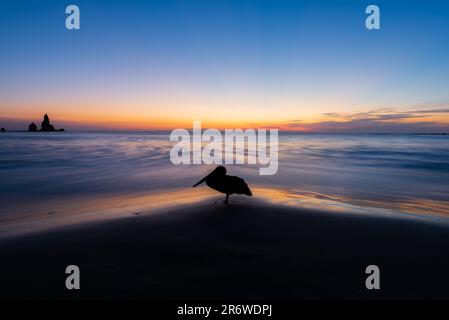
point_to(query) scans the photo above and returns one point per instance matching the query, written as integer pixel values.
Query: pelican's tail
(241, 186)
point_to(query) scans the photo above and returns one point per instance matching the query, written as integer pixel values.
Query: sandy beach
(246, 250)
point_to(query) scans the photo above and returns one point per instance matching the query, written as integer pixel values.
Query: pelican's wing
(240, 186)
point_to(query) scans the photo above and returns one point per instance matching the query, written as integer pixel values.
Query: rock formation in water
(47, 126)
(32, 127)
(2, 130)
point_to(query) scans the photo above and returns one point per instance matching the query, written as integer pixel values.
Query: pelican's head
(218, 171)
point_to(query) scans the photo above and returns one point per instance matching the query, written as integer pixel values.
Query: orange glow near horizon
(168, 117)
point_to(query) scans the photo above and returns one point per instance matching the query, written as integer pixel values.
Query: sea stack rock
(32, 127)
(46, 125)
(2, 130)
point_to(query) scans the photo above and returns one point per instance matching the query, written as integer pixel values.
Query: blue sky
(221, 61)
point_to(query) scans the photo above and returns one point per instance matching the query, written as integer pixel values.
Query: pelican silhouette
(220, 181)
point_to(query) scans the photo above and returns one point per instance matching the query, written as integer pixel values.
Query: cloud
(384, 114)
(385, 120)
(432, 111)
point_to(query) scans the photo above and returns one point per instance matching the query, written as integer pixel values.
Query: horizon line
(190, 130)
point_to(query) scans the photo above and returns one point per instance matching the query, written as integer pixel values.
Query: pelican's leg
(226, 200)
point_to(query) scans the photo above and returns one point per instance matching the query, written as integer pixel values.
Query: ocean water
(61, 175)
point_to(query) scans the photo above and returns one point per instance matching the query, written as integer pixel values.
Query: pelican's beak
(201, 181)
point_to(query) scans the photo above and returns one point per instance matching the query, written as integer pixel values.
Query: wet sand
(240, 251)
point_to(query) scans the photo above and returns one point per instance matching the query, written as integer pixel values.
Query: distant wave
(363, 168)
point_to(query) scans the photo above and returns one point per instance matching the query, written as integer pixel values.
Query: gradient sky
(298, 65)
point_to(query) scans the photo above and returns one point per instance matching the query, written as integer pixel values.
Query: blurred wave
(406, 173)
